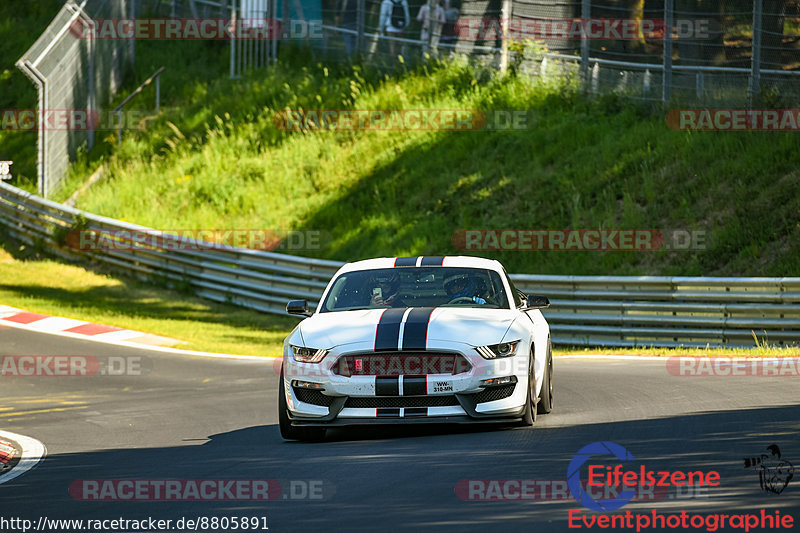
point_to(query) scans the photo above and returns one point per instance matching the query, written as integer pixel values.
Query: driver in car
(462, 287)
(386, 290)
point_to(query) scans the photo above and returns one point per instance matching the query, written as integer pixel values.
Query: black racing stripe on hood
(415, 334)
(387, 334)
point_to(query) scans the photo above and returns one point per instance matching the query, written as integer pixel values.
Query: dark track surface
(202, 418)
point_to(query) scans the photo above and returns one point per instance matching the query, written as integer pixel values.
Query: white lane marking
(667, 357)
(33, 451)
(610, 356)
(123, 335)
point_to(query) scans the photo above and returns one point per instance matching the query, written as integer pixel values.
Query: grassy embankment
(215, 159)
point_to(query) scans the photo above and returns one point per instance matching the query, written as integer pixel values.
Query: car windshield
(416, 287)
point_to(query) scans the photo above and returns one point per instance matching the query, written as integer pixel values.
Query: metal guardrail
(585, 310)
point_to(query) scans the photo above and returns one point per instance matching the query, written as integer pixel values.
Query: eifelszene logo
(774, 473)
(618, 484)
(574, 476)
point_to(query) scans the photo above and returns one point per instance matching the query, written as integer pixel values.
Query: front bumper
(459, 397)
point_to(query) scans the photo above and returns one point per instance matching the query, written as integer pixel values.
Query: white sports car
(413, 340)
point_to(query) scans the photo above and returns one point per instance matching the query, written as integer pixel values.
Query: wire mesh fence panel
(76, 75)
(722, 53)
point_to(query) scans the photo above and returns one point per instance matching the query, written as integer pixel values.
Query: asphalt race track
(196, 418)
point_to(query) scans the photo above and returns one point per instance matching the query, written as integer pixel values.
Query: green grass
(41, 285)
(215, 159)
(219, 161)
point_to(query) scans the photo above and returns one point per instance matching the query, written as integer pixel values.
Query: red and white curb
(66, 327)
(10, 316)
(32, 451)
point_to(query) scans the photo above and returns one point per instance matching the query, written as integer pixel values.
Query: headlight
(504, 349)
(308, 355)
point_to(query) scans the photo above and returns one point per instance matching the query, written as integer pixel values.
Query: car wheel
(288, 431)
(529, 415)
(546, 403)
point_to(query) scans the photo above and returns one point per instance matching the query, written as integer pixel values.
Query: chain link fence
(76, 79)
(722, 52)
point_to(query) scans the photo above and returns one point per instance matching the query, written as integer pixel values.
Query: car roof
(402, 262)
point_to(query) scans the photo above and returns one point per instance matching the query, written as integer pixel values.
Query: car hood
(473, 326)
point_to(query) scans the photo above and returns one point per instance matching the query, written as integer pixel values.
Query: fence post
(667, 77)
(755, 62)
(700, 85)
(361, 16)
(286, 20)
(92, 82)
(132, 42)
(505, 17)
(586, 13)
(233, 40)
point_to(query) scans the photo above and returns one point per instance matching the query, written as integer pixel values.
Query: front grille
(399, 363)
(314, 397)
(376, 402)
(495, 393)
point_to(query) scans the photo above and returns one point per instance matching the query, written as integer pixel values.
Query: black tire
(529, 415)
(546, 401)
(288, 431)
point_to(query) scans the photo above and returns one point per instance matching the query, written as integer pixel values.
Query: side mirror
(298, 307)
(537, 301)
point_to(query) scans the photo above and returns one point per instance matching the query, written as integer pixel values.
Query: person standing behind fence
(450, 30)
(394, 20)
(425, 17)
(347, 16)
